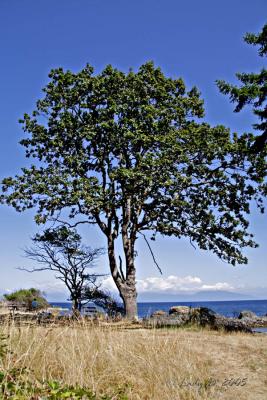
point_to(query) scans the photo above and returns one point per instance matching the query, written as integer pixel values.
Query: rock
(258, 322)
(158, 313)
(247, 314)
(202, 316)
(206, 317)
(165, 321)
(178, 316)
(184, 310)
(252, 320)
(231, 325)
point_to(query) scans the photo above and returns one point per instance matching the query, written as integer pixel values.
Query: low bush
(16, 384)
(26, 296)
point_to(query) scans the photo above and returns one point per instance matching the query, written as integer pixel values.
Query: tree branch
(151, 252)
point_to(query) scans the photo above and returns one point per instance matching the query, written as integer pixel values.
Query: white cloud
(171, 284)
(218, 286)
(109, 284)
(48, 286)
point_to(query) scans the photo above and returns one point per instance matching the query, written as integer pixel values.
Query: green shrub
(16, 385)
(26, 296)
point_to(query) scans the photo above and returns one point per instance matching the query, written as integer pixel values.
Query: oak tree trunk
(130, 304)
(125, 284)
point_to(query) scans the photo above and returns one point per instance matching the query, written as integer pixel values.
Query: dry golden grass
(158, 364)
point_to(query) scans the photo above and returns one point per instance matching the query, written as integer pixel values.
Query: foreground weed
(15, 385)
(3, 346)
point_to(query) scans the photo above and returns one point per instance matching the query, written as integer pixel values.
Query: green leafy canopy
(252, 89)
(128, 151)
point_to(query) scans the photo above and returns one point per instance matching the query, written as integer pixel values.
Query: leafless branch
(192, 244)
(71, 226)
(151, 252)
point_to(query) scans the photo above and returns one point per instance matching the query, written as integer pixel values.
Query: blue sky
(200, 41)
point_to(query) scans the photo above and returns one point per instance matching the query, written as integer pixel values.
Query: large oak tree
(129, 153)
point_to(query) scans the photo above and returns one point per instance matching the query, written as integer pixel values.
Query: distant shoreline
(227, 308)
(175, 301)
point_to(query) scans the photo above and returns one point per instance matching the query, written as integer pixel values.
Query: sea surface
(226, 308)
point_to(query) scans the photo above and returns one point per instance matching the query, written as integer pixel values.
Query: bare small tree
(60, 250)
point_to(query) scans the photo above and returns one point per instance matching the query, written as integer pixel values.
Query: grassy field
(128, 362)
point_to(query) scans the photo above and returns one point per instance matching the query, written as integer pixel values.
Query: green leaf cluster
(15, 384)
(252, 89)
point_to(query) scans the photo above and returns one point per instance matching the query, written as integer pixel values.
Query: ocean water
(260, 330)
(226, 308)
